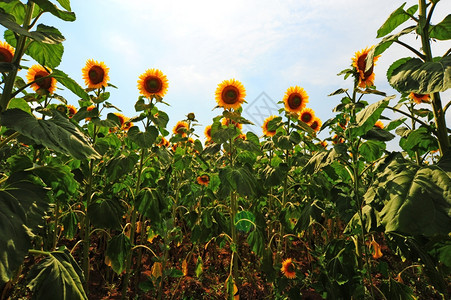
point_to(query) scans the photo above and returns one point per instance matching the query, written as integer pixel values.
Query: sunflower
(295, 99)
(307, 116)
(288, 269)
(6, 52)
(379, 124)
(163, 143)
(420, 98)
(153, 83)
(71, 110)
(359, 63)
(227, 122)
(95, 74)
(207, 133)
(377, 249)
(127, 125)
(316, 124)
(181, 128)
(230, 94)
(337, 140)
(241, 136)
(203, 179)
(89, 108)
(121, 118)
(343, 123)
(37, 73)
(266, 131)
(323, 144)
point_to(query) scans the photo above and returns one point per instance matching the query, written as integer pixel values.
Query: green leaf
(59, 178)
(117, 250)
(143, 139)
(150, 203)
(48, 6)
(57, 133)
(441, 31)
(14, 8)
(57, 277)
(70, 223)
(396, 18)
(396, 290)
(20, 104)
(372, 150)
(105, 213)
(338, 92)
(411, 199)
(71, 84)
(22, 208)
(244, 221)
(324, 158)
(367, 117)
(199, 267)
(121, 166)
(377, 134)
(413, 75)
(239, 179)
(256, 241)
(65, 4)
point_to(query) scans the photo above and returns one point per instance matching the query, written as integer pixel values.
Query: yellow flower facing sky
(295, 99)
(307, 115)
(153, 83)
(316, 124)
(181, 128)
(95, 74)
(230, 94)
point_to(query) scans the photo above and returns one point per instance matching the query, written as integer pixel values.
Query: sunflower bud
(191, 116)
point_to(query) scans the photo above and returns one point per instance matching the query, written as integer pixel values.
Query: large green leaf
(413, 75)
(144, 139)
(396, 18)
(245, 221)
(117, 250)
(324, 158)
(59, 178)
(372, 150)
(105, 213)
(48, 6)
(441, 31)
(150, 203)
(57, 277)
(14, 8)
(22, 208)
(367, 117)
(57, 133)
(71, 84)
(411, 199)
(238, 179)
(120, 166)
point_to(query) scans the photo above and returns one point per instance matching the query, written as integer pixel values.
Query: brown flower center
(44, 83)
(290, 268)
(306, 117)
(153, 84)
(205, 178)
(180, 129)
(230, 94)
(96, 74)
(314, 125)
(294, 101)
(5, 55)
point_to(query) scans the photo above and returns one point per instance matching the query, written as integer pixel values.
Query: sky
(268, 45)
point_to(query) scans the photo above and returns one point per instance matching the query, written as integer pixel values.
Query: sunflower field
(97, 205)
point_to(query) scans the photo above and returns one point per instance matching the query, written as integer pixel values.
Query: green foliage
(244, 221)
(57, 133)
(367, 117)
(144, 139)
(48, 6)
(441, 31)
(118, 248)
(396, 18)
(56, 277)
(105, 213)
(413, 75)
(71, 84)
(23, 205)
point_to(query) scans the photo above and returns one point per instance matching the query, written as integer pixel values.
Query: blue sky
(269, 45)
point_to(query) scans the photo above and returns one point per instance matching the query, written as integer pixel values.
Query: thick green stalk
(128, 260)
(439, 114)
(87, 225)
(19, 52)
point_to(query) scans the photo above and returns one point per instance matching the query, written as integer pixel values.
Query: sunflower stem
(19, 52)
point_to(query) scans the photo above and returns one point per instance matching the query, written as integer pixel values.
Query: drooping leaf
(57, 277)
(57, 133)
(117, 250)
(149, 202)
(19, 103)
(367, 117)
(372, 150)
(105, 213)
(65, 4)
(396, 18)
(144, 139)
(22, 208)
(244, 221)
(239, 179)
(324, 158)
(377, 134)
(441, 31)
(393, 289)
(256, 241)
(48, 6)
(120, 166)
(413, 75)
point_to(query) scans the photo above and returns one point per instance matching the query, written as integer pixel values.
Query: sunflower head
(95, 74)
(226, 122)
(337, 140)
(6, 52)
(295, 99)
(266, 131)
(207, 133)
(163, 143)
(288, 269)
(203, 180)
(42, 83)
(359, 63)
(379, 124)
(420, 98)
(153, 83)
(71, 110)
(181, 128)
(230, 94)
(316, 124)
(307, 115)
